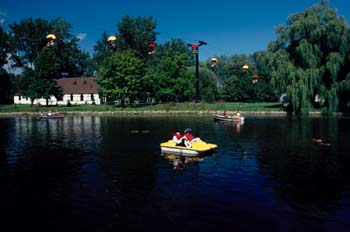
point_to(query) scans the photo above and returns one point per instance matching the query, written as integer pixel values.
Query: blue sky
(228, 26)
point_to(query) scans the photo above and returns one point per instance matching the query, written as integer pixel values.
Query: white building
(76, 91)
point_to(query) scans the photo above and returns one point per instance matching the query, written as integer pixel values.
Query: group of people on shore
(186, 139)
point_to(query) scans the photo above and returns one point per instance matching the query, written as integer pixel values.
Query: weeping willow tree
(308, 60)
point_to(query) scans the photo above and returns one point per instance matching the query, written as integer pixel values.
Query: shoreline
(158, 112)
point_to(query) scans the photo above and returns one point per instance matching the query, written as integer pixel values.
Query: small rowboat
(220, 117)
(53, 116)
(198, 148)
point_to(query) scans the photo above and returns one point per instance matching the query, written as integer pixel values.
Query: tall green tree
(6, 85)
(122, 76)
(308, 57)
(237, 84)
(102, 49)
(28, 38)
(171, 78)
(136, 34)
(208, 85)
(40, 82)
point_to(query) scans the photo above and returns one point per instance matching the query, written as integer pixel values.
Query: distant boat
(222, 117)
(50, 116)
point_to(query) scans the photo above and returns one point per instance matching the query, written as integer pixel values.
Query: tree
(28, 38)
(308, 58)
(122, 76)
(136, 34)
(208, 85)
(4, 47)
(5, 78)
(40, 82)
(171, 78)
(231, 91)
(101, 49)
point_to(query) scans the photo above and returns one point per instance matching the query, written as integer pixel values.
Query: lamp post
(195, 48)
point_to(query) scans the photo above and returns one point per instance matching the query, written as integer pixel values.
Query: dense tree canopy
(171, 78)
(308, 63)
(28, 39)
(121, 76)
(308, 59)
(6, 86)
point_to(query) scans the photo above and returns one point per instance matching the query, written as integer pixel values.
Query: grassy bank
(190, 107)
(248, 107)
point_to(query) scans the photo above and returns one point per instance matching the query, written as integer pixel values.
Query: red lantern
(194, 48)
(152, 48)
(255, 78)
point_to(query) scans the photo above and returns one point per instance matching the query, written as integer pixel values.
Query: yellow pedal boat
(198, 148)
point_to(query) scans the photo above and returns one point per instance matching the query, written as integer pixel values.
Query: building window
(81, 97)
(71, 97)
(92, 97)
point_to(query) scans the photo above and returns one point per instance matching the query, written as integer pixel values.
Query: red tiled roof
(79, 85)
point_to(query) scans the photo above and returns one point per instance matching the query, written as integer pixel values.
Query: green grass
(244, 107)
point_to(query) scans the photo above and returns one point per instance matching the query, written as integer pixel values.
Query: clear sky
(228, 26)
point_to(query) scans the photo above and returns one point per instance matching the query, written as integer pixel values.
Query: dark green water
(107, 174)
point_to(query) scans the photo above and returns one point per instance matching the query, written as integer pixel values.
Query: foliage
(102, 50)
(121, 76)
(6, 85)
(309, 62)
(133, 34)
(236, 84)
(308, 58)
(28, 38)
(40, 82)
(4, 47)
(170, 77)
(208, 85)
(136, 34)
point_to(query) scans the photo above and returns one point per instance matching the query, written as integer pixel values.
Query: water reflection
(269, 171)
(308, 174)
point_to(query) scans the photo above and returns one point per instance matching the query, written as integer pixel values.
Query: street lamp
(195, 48)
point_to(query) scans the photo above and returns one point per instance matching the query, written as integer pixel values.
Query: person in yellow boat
(181, 140)
(190, 137)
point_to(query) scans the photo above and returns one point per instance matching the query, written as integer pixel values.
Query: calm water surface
(104, 173)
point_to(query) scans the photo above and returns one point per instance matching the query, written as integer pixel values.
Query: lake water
(104, 173)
